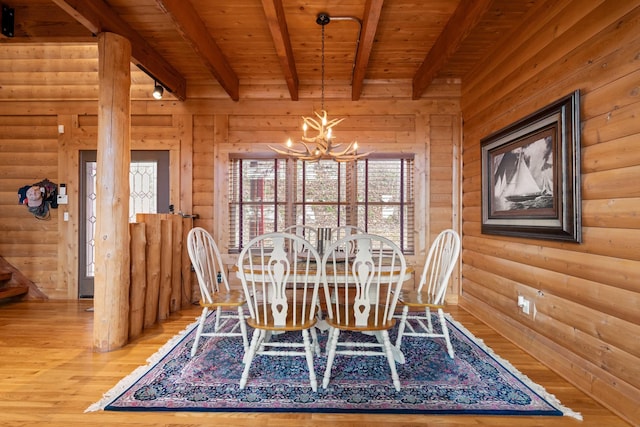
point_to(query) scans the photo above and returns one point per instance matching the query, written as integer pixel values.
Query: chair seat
(349, 323)
(290, 324)
(225, 299)
(415, 299)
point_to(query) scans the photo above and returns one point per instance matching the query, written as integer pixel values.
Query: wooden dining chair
(307, 232)
(430, 294)
(280, 277)
(343, 231)
(361, 292)
(215, 294)
(312, 235)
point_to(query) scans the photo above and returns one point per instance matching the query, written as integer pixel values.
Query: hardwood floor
(49, 375)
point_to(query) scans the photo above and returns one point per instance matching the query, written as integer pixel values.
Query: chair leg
(315, 343)
(427, 314)
(332, 344)
(256, 339)
(203, 319)
(309, 354)
(445, 332)
(321, 324)
(403, 324)
(218, 317)
(392, 363)
(243, 331)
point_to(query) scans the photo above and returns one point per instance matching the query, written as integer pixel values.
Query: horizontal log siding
(28, 154)
(585, 323)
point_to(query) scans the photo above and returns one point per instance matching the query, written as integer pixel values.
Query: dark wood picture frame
(531, 175)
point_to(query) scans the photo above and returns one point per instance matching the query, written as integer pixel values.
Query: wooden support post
(153, 254)
(112, 272)
(176, 266)
(166, 265)
(138, 278)
(187, 274)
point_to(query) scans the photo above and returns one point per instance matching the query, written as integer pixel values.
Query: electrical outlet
(526, 306)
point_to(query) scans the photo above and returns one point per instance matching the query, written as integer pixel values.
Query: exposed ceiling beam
(98, 17)
(372, 11)
(194, 31)
(45, 23)
(464, 19)
(274, 12)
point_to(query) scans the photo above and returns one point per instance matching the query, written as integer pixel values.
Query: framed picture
(531, 175)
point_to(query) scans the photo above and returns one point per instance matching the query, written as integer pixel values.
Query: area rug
(476, 381)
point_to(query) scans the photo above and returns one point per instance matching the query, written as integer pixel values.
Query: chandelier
(320, 145)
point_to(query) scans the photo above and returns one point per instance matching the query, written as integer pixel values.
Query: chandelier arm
(312, 123)
(289, 151)
(333, 122)
(322, 115)
(344, 152)
(350, 158)
(309, 140)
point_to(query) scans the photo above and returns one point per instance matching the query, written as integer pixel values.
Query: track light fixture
(158, 90)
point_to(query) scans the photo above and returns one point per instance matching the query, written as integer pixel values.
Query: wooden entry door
(149, 188)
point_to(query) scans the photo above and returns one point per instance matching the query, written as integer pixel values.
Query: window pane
(323, 181)
(320, 193)
(143, 178)
(257, 194)
(384, 194)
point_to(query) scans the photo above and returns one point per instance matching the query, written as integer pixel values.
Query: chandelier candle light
(320, 146)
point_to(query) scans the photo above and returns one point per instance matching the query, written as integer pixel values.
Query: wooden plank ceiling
(234, 43)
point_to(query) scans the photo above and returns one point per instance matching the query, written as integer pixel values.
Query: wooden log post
(112, 272)
(187, 274)
(166, 266)
(153, 254)
(176, 268)
(138, 279)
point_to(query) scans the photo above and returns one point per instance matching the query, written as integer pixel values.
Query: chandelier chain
(322, 71)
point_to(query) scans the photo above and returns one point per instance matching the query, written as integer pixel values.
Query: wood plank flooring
(49, 374)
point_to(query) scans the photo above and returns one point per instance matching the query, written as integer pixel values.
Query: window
(269, 194)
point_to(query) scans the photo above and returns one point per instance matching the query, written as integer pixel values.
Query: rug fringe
(131, 379)
(553, 400)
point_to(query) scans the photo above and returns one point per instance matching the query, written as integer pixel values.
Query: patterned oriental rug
(476, 381)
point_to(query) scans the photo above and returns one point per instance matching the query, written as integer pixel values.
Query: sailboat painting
(523, 177)
(531, 175)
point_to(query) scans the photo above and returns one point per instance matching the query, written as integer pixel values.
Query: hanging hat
(22, 194)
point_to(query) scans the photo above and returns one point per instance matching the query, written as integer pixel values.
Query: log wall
(586, 321)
